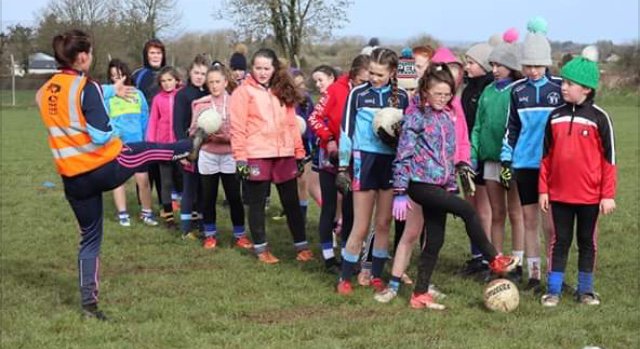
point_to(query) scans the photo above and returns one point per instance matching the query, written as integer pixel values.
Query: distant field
(163, 292)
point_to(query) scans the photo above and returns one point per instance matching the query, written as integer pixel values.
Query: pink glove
(400, 207)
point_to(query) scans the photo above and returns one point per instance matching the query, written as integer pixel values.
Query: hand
(300, 163)
(401, 205)
(543, 201)
(242, 169)
(185, 162)
(506, 175)
(466, 175)
(332, 147)
(123, 91)
(343, 182)
(386, 138)
(607, 206)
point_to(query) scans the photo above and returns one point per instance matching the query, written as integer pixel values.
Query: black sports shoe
(474, 266)
(535, 286)
(515, 275)
(92, 312)
(332, 266)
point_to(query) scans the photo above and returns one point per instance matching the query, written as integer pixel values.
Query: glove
(390, 140)
(465, 176)
(400, 207)
(300, 163)
(343, 182)
(506, 175)
(242, 169)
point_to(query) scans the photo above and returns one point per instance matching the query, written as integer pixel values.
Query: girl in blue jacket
(128, 118)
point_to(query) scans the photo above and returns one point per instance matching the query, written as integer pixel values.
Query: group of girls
(493, 127)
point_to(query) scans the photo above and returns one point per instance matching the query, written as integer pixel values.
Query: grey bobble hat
(480, 53)
(507, 53)
(536, 49)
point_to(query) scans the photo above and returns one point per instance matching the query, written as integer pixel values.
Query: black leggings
(329, 193)
(564, 218)
(231, 186)
(436, 203)
(256, 197)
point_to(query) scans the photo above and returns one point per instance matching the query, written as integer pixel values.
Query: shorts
(210, 163)
(276, 170)
(479, 178)
(372, 171)
(492, 171)
(527, 180)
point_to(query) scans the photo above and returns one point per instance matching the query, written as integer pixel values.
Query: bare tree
(288, 22)
(86, 13)
(153, 16)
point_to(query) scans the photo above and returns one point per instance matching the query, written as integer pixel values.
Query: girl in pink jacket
(267, 147)
(160, 130)
(215, 161)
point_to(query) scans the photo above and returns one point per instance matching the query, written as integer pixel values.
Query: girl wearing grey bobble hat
(486, 143)
(532, 101)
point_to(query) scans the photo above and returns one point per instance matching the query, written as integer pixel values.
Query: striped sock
(210, 229)
(302, 245)
(327, 250)
(395, 282)
(185, 222)
(260, 248)
(238, 231)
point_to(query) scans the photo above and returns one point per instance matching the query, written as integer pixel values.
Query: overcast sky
(463, 20)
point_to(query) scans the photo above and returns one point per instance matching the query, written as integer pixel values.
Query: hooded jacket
(145, 78)
(471, 96)
(326, 117)
(426, 149)
(219, 142)
(579, 158)
(129, 119)
(463, 147)
(160, 127)
(182, 111)
(262, 126)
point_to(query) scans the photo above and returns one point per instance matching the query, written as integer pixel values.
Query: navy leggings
(84, 193)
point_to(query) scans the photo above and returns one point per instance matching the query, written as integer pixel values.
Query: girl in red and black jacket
(325, 123)
(577, 176)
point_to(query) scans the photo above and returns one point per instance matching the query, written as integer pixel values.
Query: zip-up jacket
(531, 103)
(326, 118)
(219, 142)
(129, 118)
(470, 97)
(579, 158)
(261, 126)
(160, 127)
(426, 149)
(182, 109)
(491, 120)
(357, 124)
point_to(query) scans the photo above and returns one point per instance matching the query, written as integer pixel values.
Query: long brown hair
(388, 58)
(281, 83)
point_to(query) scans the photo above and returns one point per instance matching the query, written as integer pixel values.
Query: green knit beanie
(583, 69)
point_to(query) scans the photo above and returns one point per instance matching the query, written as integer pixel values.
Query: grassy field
(162, 292)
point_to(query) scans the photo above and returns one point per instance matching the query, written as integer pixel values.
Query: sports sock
(185, 222)
(304, 205)
(380, 256)
(238, 231)
(533, 267)
(123, 214)
(327, 250)
(475, 251)
(146, 212)
(395, 282)
(348, 262)
(520, 255)
(555, 280)
(210, 229)
(585, 282)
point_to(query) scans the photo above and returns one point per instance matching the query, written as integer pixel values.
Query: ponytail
(67, 46)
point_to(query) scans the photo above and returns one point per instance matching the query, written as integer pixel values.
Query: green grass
(165, 293)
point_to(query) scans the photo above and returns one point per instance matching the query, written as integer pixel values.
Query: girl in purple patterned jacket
(424, 170)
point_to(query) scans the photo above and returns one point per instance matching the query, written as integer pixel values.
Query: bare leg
(497, 200)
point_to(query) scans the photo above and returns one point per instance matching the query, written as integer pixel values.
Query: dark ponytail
(389, 58)
(67, 46)
(358, 64)
(281, 83)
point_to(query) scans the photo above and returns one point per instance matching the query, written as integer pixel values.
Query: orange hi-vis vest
(69, 140)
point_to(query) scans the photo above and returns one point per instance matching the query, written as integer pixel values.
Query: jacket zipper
(444, 157)
(573, 114)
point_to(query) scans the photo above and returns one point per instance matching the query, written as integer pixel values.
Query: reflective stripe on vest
(71, 146)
